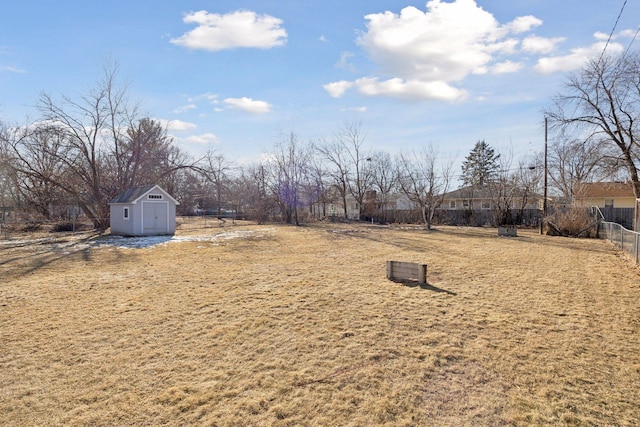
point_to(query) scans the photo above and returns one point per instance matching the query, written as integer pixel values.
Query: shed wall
(120, 225)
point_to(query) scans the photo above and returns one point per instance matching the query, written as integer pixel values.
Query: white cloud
(422, 53)
(356, 109)
(411, 90)
(576, 59)
(179, 125)
(248, 105)
(344, 61)
(627, 33)
(242, 28)
(211, 97)
(323, 39)
(337, 89)
(11, 69)
(542, 45)
(204, 139)
(506, 67)
(176, 125)
(598, 35)
(506, 47)
(522, 24)
(446, 42)
(185, 108)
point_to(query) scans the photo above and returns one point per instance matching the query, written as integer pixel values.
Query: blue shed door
(154, 218)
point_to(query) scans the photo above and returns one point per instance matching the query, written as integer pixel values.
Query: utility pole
(544, 199)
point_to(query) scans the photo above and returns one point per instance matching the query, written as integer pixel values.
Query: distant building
(604, 195)
(484, 198)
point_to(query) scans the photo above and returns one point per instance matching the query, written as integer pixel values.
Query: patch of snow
(150, 241)
(135, 242)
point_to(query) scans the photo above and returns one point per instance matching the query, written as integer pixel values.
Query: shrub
(575, 222)
(30, 227)
(63, 226)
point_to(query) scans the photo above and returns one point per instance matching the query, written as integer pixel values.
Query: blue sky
(236, 75)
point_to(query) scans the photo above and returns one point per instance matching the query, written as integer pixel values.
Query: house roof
(477, 193)
(468, 193)
(133, 194)
(603, 189)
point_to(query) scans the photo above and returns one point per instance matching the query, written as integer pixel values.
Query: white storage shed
(143, 211)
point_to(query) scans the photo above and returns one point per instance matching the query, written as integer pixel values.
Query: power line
(631, 42)
(613, 30)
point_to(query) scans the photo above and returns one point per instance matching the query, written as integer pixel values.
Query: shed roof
(133, 194)
(603, 189)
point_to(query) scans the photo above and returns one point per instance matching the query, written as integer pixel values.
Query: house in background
(604, 195)
(484, 198)
(616, 200)
(468, 198)
(333, 207)
(480, 205)
(143, 211)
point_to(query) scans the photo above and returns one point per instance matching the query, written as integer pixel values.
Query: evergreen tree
(480, 166)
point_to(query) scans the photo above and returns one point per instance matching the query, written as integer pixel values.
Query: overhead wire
(615, 25)
(631, 42)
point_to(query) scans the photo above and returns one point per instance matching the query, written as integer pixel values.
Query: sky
(238, 75)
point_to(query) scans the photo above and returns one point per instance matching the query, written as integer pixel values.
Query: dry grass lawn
(286, 326)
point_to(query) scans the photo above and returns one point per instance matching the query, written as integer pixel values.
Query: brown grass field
(298, 326)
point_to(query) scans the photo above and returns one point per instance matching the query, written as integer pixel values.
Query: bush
(70, 226)
(31, 227)
(63, 226)
(574, 222)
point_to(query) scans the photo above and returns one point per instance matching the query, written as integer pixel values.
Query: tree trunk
(636, 211)
(344, 205)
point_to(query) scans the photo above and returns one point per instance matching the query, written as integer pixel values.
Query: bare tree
(7, 180)
(35, 169)
(384, 180)
(217, 170)
(87, 128)
(424, 179)
(188, 187)
(528, 179)
(289, 163)
(252, 189)
(145, 154)
(334, 153)
(92, 148)
(504, 190)
(317, 189)
(359, 169)
(573, 161)
(601, 103)
(348, 164)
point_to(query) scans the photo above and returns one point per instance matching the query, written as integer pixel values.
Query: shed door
(154, 218)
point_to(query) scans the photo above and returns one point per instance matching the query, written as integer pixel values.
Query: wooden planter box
(399, 271)
(508, 231)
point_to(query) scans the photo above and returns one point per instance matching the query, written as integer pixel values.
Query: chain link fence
(628, 241)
